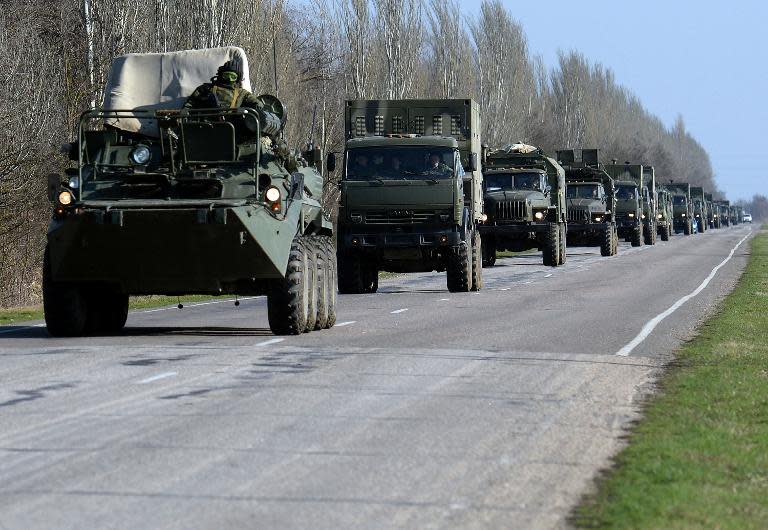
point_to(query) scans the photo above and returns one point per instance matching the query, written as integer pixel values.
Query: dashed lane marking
(158, 377)
(268, 342)
(399, 311)
(342, 324)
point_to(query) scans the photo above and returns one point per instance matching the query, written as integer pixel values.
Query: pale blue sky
(705, 60)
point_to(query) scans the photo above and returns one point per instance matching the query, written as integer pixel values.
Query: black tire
(65, 305)
(649, 234)
(615, 239)
(489, 251)
(687, 228)
(607, 241)
(563, 238)
(637, 235)
(107, 312)
(324, 282)
(551, 250)
(350, 273)
(311, 279)
(333, 284)
(370, 272)
(665, 232)
(477, 262)
(458, 270)
(288, 300)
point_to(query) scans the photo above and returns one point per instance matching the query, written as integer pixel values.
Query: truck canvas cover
(163, 81)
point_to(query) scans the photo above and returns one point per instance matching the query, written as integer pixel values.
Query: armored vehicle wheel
(350, 273)
(311, 277)
(607, 242)
(637, 235)
(323, 282)
(688, 228)
(489, 251)
(563, 238)
(288, 301)
(65, 305)
(551, 248)
(370, 272)
(615, 240)
(458, 270)
(477, 262)
(665, 233)
(330, 253)
(107, 312)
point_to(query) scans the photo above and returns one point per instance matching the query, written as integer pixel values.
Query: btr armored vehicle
(682, 207)
(411, 192)
(524, 202)
(172, 201)
(700, 213)
(590, 201)
(664, 213)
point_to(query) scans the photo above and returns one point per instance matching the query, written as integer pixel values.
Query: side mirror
(71, 150)
(54, 183)
(472, 164)
(330, 163)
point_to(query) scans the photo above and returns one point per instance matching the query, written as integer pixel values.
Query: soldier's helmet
(231, 66)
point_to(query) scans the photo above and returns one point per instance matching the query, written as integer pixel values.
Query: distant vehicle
(747, 218)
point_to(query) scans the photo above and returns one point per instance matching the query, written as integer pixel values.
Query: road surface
(420, 409)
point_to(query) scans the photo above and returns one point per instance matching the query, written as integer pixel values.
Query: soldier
(436, 166)
(224, 91)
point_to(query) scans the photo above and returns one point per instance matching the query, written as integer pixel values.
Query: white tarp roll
(154, 81)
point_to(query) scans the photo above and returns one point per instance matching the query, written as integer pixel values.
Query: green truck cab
(590, 201)
(724, 212)
(524, 202)
(173, 201)
(700, 212)
(712, 220)
(682, 206)
(411, 192)
(635, 207)
(664, 213)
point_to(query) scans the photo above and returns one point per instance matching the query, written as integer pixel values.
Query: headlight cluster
(66, 198)
(682, 215)
(631, 216)
(538, 215)
(273, 197)
(659, 216)
(141, 155)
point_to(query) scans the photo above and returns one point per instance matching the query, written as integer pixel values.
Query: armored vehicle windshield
(400, 162)
(528, 180)
(584, 191)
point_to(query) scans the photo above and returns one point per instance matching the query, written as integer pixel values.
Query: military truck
(712, 220)
(170, 201)
(664, 213)
(631, 195)
(411, 192)
(525, 203)
(682, 207)
(699, 208)
(734, 214)
(725, 212)
(590, 201)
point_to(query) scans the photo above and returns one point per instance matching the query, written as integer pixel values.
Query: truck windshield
(626, 192)
(513, 181)
(371, 163)
(679, 200)
(582, 191)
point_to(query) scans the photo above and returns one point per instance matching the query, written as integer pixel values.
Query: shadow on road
(204, 331)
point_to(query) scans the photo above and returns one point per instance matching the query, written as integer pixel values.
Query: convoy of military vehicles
(168, 200)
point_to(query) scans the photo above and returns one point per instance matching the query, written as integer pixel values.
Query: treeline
(55, 55)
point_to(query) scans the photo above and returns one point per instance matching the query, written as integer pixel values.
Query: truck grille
(399, 217)
(511, 210)
(578, 215)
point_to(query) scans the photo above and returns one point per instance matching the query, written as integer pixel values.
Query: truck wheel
(606, 242)
(551, 248)
(458, 270)
(312, 283)
(687, 228)
(665, 230)
(477, 262)
(563, 237)
(350, 273)
(330, 253)
(64, 304)
(323, 282)
(370, 273)
(648, 234)
(489, 251)
(107, 312)
(288, 300)
(637, 235)
(615, 239)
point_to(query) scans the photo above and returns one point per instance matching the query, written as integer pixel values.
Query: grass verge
(16, 315)
(699, 456)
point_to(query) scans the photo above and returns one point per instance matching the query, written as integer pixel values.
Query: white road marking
(342, 324)
(157, 377)
(504, 289)
(548, 275)
(14, 330)
(198, 304)
(268, 342)
(651, 325)
(445, 299)
(398, 311)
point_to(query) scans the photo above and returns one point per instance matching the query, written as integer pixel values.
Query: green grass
(699, 457)
(15, 315)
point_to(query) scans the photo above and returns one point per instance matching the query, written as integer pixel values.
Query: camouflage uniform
(221, 95)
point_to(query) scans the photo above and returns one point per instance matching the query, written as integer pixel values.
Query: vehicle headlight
(683, 215)
(74, 183)
(140, 155)
(66, 198)
(631, 215)
(642, 216)
(484, 217)
(598, 219)
(538, 216)
(272, 194)
(659, 216)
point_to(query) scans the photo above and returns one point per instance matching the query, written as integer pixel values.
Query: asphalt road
(420, 409)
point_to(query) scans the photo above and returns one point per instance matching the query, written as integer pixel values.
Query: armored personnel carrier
(411, 192)
(172, 201)
(682, 207)
(525, 203)
(664, 213)
(590, 201)
(630, 202)
(700, 213)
